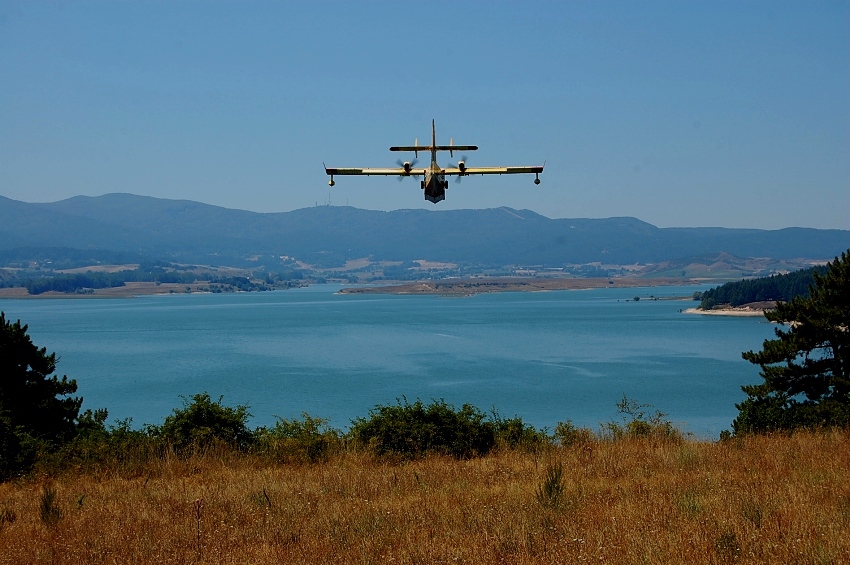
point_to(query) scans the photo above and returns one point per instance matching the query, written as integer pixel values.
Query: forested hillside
(325, 237)
(774, 288)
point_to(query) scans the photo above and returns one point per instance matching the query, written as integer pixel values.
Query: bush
(308, 439)
(566, 433)
(118, 446)
(769, 413)
(202, 422)
(550, 493)
(414, 430)
(513, 433)
(638, 423)
(12, 457)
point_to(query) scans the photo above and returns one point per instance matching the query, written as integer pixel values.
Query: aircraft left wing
(400, 171)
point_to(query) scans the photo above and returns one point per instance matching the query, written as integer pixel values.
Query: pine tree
(806, 370)
(36, 411)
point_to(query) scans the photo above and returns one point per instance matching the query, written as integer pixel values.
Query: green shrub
(118, 446)
(513, 433)
(550, 493)
(49, 512)
(308, 439)
(777, 412)
(413, 430)
(202, 422)
(566, 433)
(18, 450)
(638, 423)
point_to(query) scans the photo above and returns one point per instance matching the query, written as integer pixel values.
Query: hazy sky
(732, 114)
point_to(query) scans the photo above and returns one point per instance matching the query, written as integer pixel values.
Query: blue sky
(733, 114)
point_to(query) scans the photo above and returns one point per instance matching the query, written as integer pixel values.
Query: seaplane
(434, 182)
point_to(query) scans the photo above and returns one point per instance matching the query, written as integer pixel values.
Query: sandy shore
(726, 312)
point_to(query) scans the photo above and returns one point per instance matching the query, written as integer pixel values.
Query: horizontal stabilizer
(438, 148)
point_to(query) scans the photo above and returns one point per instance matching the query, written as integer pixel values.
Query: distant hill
(180, 230)
(720, 265)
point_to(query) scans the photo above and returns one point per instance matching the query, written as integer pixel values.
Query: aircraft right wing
(493, 170)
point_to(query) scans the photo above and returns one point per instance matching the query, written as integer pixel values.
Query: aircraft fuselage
(435, 183)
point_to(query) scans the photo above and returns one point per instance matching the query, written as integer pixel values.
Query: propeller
(462, 160)
(407, 166)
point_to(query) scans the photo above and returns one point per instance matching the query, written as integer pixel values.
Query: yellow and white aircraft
(435, 183)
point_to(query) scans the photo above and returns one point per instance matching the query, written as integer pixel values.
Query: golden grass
(760, 499)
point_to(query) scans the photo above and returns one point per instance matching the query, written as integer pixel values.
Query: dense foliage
(416, 429)
(305, 439)
(37, 412)
(806, 370)
(774, 288)
(202, 422)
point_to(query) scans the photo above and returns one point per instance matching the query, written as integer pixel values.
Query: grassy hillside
(756, 499)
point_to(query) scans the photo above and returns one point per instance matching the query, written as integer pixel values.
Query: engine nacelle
(407, 167)
(461, 166)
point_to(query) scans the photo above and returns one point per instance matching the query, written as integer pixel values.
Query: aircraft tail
(433, 134)
(434, 147)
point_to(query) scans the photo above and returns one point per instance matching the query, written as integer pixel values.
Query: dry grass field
(759, 499)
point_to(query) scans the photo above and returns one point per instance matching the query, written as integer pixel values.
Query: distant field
(128, 290)
(101, 269)
(765, 499)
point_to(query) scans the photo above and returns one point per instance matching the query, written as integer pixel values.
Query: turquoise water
(547, 357)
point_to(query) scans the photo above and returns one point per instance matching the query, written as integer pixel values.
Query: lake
(545, 356)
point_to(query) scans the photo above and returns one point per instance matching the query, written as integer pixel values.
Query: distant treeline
(73, 283)
(776, 288)
(152, 272)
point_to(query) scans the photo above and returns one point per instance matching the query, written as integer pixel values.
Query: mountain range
(187, 231)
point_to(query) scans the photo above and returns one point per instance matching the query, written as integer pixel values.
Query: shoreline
(448, 287)
(740, 312)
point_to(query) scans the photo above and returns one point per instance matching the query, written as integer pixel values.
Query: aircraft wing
(492, 170)
(385, 172)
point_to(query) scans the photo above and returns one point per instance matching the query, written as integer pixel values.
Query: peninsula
(471, 286)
